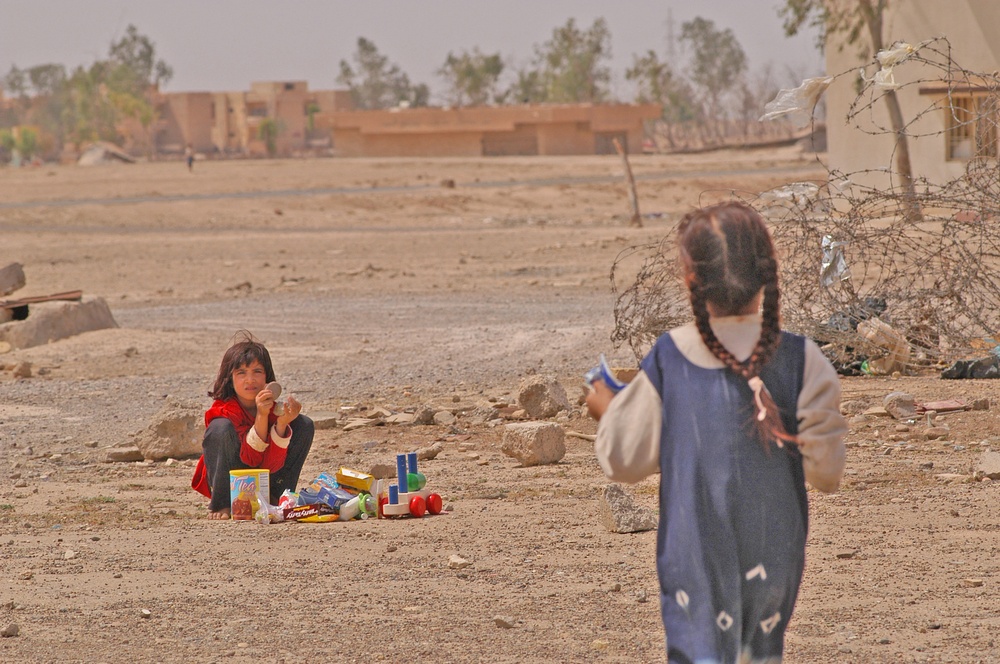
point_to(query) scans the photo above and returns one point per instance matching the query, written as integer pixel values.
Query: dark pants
(221, 446)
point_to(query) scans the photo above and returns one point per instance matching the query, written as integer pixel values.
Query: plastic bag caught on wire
(834, 265)
(797, 104)
(888, 58)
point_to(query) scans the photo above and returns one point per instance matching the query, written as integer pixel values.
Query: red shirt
(272, 458)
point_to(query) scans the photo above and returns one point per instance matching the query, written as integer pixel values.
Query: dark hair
(243, 351)
(728, 258)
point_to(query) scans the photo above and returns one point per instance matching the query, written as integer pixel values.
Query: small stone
(391, 548)
(22, 369)
(503, 622)
(10, 630)
(20, 484)
(457, 562)
(900, 405)
(145, 613)
(846, 554)
(599, 644)
(26, 576)
(69, 555)
(972, 583)
(980, 404)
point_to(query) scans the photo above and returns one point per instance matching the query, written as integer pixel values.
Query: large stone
(900, 405)
(989, 465)
(542, 396)
(176, 432)
(51, 321)
(534, 443)
(11, 278)
(620, 514)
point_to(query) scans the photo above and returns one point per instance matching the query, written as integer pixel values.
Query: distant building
(228, 123)
(563, 129)
(949, 139)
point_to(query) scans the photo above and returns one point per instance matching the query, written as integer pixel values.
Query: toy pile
(352, 494)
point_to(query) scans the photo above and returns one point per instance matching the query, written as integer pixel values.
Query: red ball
(434, 504)
(417, 506)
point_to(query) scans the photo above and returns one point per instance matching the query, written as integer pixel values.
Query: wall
(970, 26)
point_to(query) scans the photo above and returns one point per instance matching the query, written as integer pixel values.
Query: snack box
(244, 485)
(355, 479)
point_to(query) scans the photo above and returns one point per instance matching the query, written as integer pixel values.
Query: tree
(268, 132)
(851, 22)
(134, 67)
(472, 78)
(375, 82)
(718, 61)
(573, 64)
(658, 83)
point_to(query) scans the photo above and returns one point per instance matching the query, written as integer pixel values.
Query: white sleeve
(254, 441)
(822, 428)
(278, 440)
(628, 435)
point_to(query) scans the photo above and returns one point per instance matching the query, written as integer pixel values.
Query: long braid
(729, 270)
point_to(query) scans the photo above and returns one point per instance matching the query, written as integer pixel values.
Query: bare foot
(220, 515)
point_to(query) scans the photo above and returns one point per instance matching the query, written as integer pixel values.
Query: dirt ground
(393, 284)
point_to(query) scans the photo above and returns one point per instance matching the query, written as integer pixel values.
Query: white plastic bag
(797, 103)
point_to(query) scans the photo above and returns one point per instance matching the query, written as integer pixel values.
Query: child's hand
(292, 410)
(265, 402)
(598, 399)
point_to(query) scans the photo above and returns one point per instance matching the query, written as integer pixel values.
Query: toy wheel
(434, 504)
(418, 506)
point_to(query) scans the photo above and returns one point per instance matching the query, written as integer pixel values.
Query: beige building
(948, 139)
(563, 129)
(228, 123)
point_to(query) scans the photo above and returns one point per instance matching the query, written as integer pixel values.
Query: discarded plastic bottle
(603, 373)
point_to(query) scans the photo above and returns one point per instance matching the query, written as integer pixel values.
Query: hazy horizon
(227, 44)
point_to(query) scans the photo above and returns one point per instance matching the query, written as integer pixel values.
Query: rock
(444, 417)
(456, 561)
(877, 411)
(900, 405)
(951, 478)
(934, 433)
(429, 452)
(11, 278)
(534, 443)
(123, 454)
(51, 321)
(542, 396)
(175, 432)
(989, 465)
(980, 404)
(400, 418)
(10, 630)
(846, 554)
(972, 583)
(22, 369)
(620, 514)
(424, 415)
(504, 622)
(324, 419)
(383, 471)
(145, 613)
(361, 423)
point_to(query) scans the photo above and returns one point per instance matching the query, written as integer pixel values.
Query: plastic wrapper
(797, 104)
(267, 513)
(888, 58)
(834, 267)
(896, 349)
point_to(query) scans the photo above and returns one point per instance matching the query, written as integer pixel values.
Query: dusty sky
(226, 44)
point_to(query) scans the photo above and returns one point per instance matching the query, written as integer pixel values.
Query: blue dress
(733, 515)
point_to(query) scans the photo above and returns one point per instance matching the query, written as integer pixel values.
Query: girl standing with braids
(737, 416)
